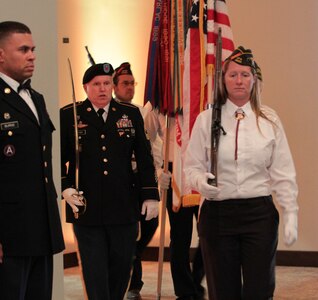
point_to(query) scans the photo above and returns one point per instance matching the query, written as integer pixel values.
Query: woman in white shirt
(238, 223)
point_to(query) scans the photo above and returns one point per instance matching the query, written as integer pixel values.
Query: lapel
(41, 110)
(13, 99)
(112, 115)
(87, 114)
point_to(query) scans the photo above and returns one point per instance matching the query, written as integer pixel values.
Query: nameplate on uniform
(9, 125)
(82, 131)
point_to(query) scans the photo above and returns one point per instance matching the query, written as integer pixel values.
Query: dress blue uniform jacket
(105, 171)
(29, 217)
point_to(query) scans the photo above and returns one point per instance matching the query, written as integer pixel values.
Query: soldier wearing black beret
(109, 133)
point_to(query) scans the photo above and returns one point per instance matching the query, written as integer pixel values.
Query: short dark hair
(9, 27)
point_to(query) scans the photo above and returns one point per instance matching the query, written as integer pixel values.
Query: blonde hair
(255, 96)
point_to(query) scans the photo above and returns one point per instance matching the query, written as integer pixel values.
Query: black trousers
(239, 240)
(26, 278)
(147, 230)
(186, 280)
(106, 254)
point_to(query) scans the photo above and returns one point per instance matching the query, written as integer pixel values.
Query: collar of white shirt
(230, 108)
(106, 108)
(13, 83)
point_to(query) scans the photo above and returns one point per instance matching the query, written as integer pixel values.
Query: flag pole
(163, 212)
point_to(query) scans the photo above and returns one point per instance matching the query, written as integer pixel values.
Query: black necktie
(25, 86)
(100, 112)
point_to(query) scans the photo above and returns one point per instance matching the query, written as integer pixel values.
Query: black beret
(245, 57)
(96, 70)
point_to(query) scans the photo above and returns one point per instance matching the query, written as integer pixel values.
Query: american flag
(206, 17)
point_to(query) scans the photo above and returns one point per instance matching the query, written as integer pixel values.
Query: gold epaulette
(78, 103)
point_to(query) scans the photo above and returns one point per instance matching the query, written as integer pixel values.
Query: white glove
(163, 179)
(290, 227)
(151, 207)
(1, 254)
(206, 190)
(73, 198)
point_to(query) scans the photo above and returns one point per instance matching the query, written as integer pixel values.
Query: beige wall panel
(283, 35)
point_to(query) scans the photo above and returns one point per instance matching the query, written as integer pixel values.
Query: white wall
(41, 17)
(114, 31)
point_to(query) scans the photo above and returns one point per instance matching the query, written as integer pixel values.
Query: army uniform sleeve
(67, 148)
(145, 162)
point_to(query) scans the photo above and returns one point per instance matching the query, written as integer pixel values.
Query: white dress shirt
(264, 163)
(105, 113)
(155, 124)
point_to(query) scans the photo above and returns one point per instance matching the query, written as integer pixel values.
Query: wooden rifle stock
(216, 111)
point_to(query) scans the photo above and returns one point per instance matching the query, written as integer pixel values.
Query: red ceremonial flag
(158, 79)
(206, 17)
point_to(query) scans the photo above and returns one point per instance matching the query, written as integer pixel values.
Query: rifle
(216, 126)
(91, 59)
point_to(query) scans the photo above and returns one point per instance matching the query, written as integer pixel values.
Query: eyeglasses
(127, 83)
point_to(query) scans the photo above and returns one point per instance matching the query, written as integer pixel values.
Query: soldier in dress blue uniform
(30, 227)
(109, 133)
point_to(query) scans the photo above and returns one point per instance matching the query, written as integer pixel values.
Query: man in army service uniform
(109, 133)
(30, 226)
